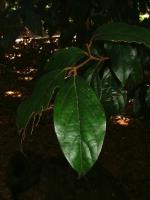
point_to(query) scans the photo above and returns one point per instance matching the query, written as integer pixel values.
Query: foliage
(97, 68)
(79, 118)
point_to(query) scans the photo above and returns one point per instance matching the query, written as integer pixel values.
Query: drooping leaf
(40, 98)
(63, 58)
(122, 32)
(80, 124)
(123, 60)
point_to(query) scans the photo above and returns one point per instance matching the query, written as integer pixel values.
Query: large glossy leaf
(40, 98)
(123, 32)
(80, 124)
(123, 60)
(64, 58)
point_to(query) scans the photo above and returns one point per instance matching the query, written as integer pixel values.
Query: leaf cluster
(91, 86)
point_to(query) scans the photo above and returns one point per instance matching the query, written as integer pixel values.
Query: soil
(42, 173)
(124, 160)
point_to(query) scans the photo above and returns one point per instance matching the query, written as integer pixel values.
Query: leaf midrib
(78, 111)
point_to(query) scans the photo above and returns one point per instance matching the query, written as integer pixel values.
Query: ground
(123, 164)
(125, 154)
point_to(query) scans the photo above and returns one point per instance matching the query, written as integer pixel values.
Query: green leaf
(122, 32)
(40, 98)
(45, 87)
(123, 60)
(80, 124)
(93, 79)
(113, 96)
(110, 93)
(24, 113)
(63, 58)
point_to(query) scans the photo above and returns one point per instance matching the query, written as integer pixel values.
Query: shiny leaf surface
(123, 32)
(123, 60)
(80, 124)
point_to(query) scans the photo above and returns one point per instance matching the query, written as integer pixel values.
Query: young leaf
(40, 98)
(80, 124)
(122, 32)
(64, 58)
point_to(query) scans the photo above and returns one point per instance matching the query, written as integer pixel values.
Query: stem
(83, 63)
(73, 69)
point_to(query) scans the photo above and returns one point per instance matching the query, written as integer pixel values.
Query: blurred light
(19, 55)
(24, 41)
(15, 47)
(144, 16)
(71, 20)
(74, 38)
(48, 42)
(26, 78)
(26, 71)
(47, 6)
(14, 8)
(18, 40)
(13, 93)
(131, 101)
(121, 120)
(10, 56)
